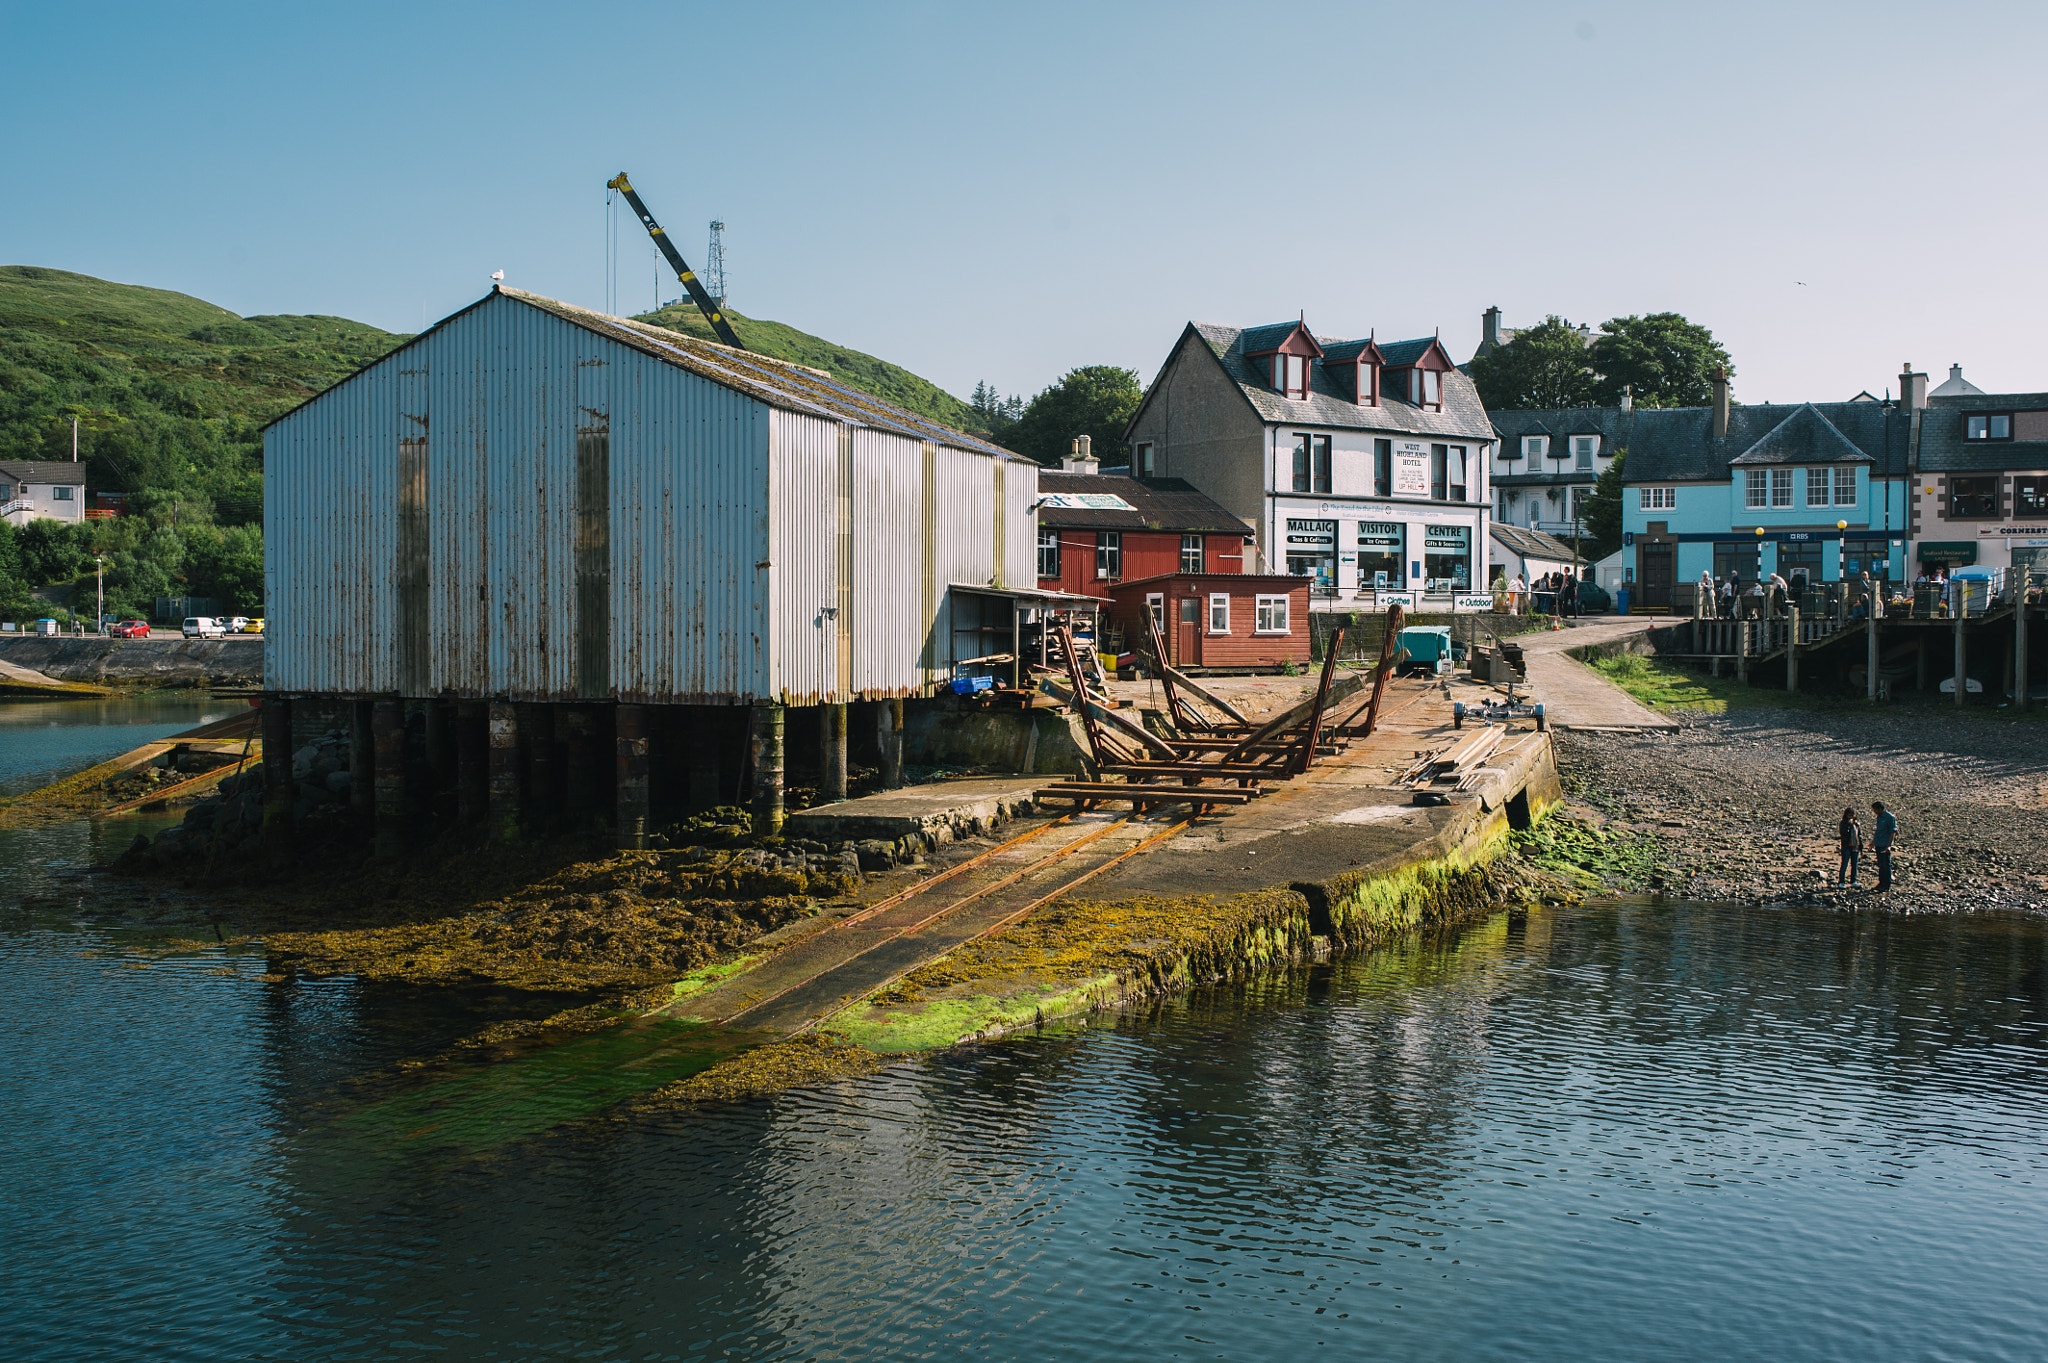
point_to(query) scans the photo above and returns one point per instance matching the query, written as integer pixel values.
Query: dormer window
(1368, 384)
(1988, 426)
(1535, 446)
(1425, 389)
(1290, 375)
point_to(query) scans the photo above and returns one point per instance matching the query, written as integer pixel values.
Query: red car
(130, 629)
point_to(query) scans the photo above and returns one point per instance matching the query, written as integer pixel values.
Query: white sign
(1085, 501)
(1403, 599)
(1411, 468)
(1467, 605)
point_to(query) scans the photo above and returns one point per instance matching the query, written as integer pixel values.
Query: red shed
(1096, 530)
(1219, 622)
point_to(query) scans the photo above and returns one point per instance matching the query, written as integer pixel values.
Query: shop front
(1446, 559)
(1312, 553)
(1382, 555)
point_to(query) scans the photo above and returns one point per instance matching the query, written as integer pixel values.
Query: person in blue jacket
(1881, 835)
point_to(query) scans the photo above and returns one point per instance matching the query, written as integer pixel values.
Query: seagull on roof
(497, 276)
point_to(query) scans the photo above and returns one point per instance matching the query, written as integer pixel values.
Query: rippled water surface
(42, 740)
(1617, 1132)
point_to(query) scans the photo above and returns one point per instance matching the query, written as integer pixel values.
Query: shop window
(1312, 552)
(1988, 426)
(1382, 468)
(1972, 498)
(1447, 555)
(1740, 557)
(2030, 495)
(1381, 546)
(1271, 616)
(1866, 556)
(1219, 614)
(1191, 553)
(1048, 553)
(1109, 554)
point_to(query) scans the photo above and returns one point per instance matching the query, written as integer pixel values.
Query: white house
(41, 489)
(1362, 466)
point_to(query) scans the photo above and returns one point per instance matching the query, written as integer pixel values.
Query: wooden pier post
(1742, 651)
(2019, 642)
(832, 758)
(472, 761)
(387, 737)
(1962, 660)
(1792, 649)
(764, 739)
(891, 736)
(504, 771)
(441, 760)
(579, 760)
(1870, 656)
(537, 752)
(276, 720)
(1920, 660)
(362, 760)
(630, 726)
(707, 737)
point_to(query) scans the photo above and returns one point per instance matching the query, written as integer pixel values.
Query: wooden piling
(579, 760)
(472, 760)
(537, 755)
(1792, 649)
(764, 741)
(1871, 654)
(503, 722)
(276, 722)
(362, 760)
(441, 759)
(832, 757)
(1962, 664)
(2019, 641)
(708, 735)
(890, 734)
(630, 726)
(387, 735)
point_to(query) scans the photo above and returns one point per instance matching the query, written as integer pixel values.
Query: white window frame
(1155, 602)
(1820, 487)
(1781, 488)
(1219, 610)
(1583, 449)
(1267, 609)
(1109, 555)
(1656, 499)
(60, 492)
(1535, 446)
(1192, 544)
(1048, 539)
(1845, 485)
(1756, 489)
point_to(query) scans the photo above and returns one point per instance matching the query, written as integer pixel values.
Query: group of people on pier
(1772, 597)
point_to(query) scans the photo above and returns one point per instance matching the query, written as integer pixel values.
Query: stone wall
(139, 662)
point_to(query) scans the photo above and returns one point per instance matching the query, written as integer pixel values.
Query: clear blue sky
(1005, 192)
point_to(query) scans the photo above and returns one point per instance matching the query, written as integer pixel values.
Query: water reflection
(43, 740)
(1615, 1132)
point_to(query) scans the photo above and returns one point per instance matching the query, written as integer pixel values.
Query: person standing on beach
(1850, 836)
(1881, 835)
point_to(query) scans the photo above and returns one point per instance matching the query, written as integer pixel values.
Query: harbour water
(1619, 1131)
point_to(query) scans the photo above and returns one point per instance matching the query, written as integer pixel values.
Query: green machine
(1428, 646)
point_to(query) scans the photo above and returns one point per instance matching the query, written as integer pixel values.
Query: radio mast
(714, 264)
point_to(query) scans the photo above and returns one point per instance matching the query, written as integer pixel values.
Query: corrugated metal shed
(536, 502)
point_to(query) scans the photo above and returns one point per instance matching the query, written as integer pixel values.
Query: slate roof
(776, 383)
(1677, 445)
(1944, 450)
(1157, 504)
(1271, 336)
(1341, 351)
(1463, 416)
(43, 470)
(1530, 543)
(1401, 353)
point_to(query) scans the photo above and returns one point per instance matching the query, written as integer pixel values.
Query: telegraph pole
(99, 591)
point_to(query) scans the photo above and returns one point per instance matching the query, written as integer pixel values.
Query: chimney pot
(1489, 326)
(1720, 404)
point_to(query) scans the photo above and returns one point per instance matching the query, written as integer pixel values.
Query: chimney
(1489, 328)
(1628, 397)
(1079, 459)
(1720, 404)
(1912, 388)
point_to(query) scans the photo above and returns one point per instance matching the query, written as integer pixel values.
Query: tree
(994, 413)
(1601, 518)
(1096, 401)
(1543, 367)
(1662, 359)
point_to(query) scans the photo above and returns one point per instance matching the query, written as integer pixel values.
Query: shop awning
(1948, 551)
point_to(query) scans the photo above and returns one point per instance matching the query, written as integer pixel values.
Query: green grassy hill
(850, 367)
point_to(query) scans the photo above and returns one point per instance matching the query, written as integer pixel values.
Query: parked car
(1593, 599)
(201, 626)
(46, 626)
(235, 624)
(129, 629)
(254, 626)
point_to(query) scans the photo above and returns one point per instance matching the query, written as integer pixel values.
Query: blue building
(1814, 486)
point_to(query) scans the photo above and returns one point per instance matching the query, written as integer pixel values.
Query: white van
(201, 626)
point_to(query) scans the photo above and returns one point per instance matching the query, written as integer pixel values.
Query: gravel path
(1743, 806)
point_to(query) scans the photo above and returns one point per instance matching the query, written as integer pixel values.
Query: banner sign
(1411, 468)
(1406, 600)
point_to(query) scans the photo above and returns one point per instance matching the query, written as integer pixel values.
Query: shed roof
(1170, 504)
(773, 382)
(1529, 543)
(43, 470)
(1463, 416)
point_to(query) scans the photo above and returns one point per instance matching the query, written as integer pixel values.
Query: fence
(183, 607)
(1365, 632)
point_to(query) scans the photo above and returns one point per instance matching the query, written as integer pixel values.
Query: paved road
(1574, 696)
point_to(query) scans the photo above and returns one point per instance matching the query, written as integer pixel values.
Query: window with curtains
(1382, 468)
(1290, 375)
(1301, 463)
(1454, 474)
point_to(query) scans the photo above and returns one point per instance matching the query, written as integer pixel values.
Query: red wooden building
(1213, 622)
(1096, 530)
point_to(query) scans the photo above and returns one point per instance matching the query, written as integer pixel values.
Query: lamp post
(99, 591)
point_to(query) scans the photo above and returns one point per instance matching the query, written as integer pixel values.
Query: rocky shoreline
(1743, 806)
